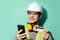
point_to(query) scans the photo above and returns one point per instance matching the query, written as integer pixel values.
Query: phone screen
(21, 27)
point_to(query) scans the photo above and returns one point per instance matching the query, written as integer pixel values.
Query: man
(34, 13)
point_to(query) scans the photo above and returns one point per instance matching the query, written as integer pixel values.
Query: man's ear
(40, 17)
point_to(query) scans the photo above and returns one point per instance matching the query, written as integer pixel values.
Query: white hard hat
(34, 7)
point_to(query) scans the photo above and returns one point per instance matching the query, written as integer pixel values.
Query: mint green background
(13, 12)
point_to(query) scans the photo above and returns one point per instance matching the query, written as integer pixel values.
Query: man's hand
(20, 36)
(45, 34)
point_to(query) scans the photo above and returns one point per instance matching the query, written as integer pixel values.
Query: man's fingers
(45, 36)
(44, 33)
(19, 31)
(45, 30)
(22, 37)
(24, 34)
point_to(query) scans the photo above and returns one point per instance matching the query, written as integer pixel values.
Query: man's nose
(32, 15)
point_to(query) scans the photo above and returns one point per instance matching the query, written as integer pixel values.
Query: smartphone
(21, 27)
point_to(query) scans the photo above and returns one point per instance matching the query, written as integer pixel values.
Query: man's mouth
(31, 18)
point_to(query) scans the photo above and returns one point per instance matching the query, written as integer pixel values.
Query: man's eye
(36, 13)
(29, 13)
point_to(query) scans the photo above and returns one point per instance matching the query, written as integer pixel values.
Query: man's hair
(39, 13)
